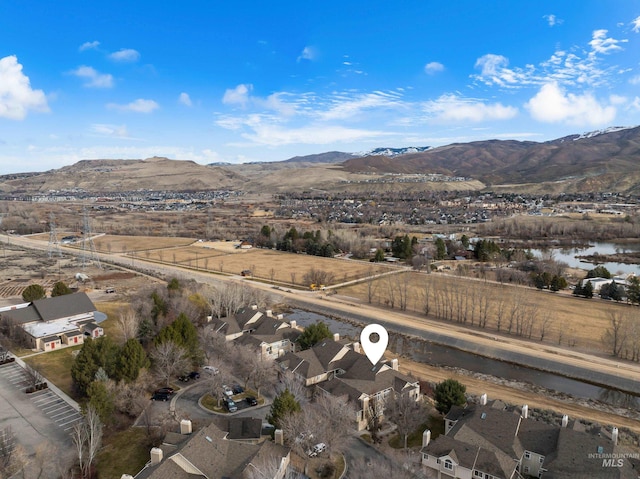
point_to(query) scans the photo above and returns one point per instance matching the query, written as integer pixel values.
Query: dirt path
(514, 396)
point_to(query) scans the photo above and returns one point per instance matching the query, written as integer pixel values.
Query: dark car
(160, 397)
(251, 401)
(194, 375)
(237, 389)
(230, 405)
(168, 391)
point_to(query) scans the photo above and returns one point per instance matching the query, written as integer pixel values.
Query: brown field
(574, 322)
(122, 244)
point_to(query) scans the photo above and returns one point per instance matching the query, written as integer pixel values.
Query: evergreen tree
(101, 400)
(449, 393)
(33, 292)
(313, 334)
(587, 290)
(379, 256)
(95, 354)
(184, 334)
(633, 290)
(283, 404)
(60, 289)
(441, 249)
(599, 272)
(132, 359)
(465, 241)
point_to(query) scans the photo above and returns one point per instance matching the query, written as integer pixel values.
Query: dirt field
(577, 322)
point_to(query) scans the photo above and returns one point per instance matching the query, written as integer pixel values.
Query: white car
(227, 391)
(317, 449)
(211, 370)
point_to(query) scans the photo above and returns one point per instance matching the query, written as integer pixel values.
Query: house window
(541, 459)
(477, 473)
(526, 469)
(527, 455)
(448, 465)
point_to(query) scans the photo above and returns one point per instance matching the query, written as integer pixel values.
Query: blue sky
(211, 81)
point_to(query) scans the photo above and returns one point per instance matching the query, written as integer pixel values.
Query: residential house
(336, 369)
(49, 323)
(212, 454)
(492, 441)
(270, 335)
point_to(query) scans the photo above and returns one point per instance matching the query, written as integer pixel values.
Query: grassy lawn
(126, 453)
(110, 326)
(435, 424)
(56, 367)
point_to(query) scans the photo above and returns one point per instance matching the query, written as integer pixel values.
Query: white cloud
(238, 95)
(348, 105)
(138, 106)
(635, 104)
(552, 20)
(308, 53)
(16, 95)
(553, 105)
(185, 99)
(432, 68)
(600, 43)
(125, 55)
(636, 25)
(635, 80)
(89, 46)
(273, 135)
(112, 131)
(455, 108)
(94, 78)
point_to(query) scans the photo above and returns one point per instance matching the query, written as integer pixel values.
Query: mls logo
(612, 462)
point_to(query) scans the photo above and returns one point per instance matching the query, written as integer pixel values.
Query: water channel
(437, 355)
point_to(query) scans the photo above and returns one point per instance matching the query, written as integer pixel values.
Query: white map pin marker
(374, 351)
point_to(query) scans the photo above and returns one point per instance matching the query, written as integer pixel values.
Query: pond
(568, 255)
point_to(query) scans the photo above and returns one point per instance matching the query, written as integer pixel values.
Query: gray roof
(243, 428)
(22, 315)
(63, 306)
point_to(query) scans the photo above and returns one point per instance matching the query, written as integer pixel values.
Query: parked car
(168, 391)
(160, 397)
(237, 389)
(317, 449)
(194, 375)
(211, 370)
(227, 391)
(230, 405)
(251, 401)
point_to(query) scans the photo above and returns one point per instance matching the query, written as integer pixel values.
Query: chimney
(156, 456)
(525, 411)
(209, 318)
(126, 476)
(185, 427)
(426, 437)
(336, 336)
(565, 420)
(483, 399)
(254, 307)
(278, 437)
(280, 317)
(356, 347)
(394, 364)
(293, 324)
(269, 313)
(614, 436)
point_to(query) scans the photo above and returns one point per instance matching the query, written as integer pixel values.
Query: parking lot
(36, 417)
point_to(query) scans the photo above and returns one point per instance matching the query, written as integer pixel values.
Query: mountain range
(601, 161)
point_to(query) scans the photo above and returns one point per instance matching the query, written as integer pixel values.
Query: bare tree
(169, 360)
(13, 457)
(379, 466)
(128, 323)
(34, 378)
(614, 337)
(334, 417)
(295, 387)
(87, 437)
(264, 373)
(406, 413)
(269, 466)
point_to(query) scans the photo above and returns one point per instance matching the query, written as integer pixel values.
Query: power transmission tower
(54, 244)
(89, 253)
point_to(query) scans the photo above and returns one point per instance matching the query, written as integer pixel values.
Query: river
(437, 355)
